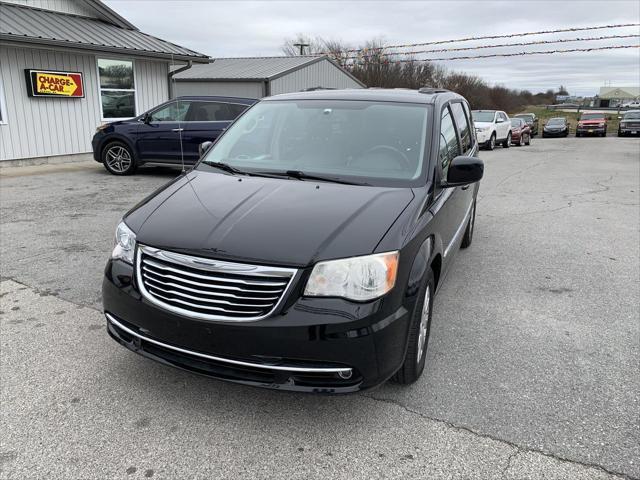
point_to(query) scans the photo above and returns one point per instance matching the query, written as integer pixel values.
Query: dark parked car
(304, 251)
(166, 134)
(556, 127)
(592, 124)
(531, 120)
(629, 123)
(520, 132)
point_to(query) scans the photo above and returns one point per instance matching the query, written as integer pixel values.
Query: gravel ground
(532, 368)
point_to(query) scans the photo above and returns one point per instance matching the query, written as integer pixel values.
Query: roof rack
(431, 90)
(313, 89)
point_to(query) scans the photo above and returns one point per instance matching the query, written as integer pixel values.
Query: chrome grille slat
(205, 307)
(210, 289)
(206, 300)
(204, 292)
(220, 279)
(210, 285)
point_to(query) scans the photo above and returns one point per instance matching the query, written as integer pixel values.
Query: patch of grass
(572, 117)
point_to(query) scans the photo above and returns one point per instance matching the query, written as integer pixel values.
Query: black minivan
(304, 250)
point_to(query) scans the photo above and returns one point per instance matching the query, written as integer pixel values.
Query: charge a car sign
(46, 83)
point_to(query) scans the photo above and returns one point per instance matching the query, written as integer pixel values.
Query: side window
(214, 111)
(173, 112)
(463, 126)
(449, 148)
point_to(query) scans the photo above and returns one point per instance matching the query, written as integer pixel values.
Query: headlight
(125, 245)
(357, 278)
(100, 128)
(601, 124)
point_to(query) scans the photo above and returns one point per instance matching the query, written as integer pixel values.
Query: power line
(492, 37)
(517, 54)
(518, 44)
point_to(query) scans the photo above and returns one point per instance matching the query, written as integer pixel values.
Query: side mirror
(204, 148)
(464, 170)
(146, 118)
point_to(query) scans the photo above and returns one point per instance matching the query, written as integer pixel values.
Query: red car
(520, 132)
(592, 124)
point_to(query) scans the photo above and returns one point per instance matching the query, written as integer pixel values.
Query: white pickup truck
(492, 127)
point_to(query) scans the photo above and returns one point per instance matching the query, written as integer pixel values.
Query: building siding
(319, 74)
(64, 6)
(231, 89)
(42, 127)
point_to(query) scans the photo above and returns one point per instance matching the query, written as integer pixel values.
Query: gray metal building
(263, 76)
(66, 67)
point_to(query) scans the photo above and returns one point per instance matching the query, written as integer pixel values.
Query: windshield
(527, 117)
(486, 116)
(592, 116)
(632, 116)
(338, 139)
(556, 121)
(516, 122)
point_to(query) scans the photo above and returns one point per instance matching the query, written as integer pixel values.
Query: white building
(67, 66)
(263, 76)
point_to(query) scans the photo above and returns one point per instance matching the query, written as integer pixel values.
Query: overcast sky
(249, 28)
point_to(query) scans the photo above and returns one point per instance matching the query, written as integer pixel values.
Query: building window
(117, 88)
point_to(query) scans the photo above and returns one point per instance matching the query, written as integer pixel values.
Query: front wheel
(414, 359)
(118, 159)
(528, 140)
(492, 142)
(468, 233)
(507, 142)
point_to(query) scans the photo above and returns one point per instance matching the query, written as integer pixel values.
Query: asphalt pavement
(532, 367)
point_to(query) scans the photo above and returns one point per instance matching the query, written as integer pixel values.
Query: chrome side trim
(281, 368)
(459, 231)
(287, 274)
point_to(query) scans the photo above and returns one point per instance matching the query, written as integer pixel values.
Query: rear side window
(449, 148)
(463, 126)
(214, 112)
(173, 112)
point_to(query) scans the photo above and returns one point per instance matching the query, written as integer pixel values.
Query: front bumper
(629, 130)
(555, 133)
(483, 136)
(313, 345)
(96, 146)
(591, 130)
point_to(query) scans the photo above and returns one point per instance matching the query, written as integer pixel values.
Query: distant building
(67, 66)
(617, 96)
(263, 76)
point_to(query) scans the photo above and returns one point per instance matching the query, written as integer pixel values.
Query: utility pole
(301, 47)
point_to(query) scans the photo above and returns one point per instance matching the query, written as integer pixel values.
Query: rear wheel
(507, 142)
(118, 159)
(414, 359)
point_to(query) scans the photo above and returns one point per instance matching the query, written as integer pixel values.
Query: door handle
(177, 129)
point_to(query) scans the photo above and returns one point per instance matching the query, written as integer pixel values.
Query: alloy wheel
(424, 324)
(118, 159)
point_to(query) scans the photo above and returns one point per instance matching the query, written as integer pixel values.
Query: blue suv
(166, 134)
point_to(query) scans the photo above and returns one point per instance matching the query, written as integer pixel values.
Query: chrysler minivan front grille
(210, 289)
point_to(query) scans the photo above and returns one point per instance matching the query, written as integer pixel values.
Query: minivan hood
(266, 220)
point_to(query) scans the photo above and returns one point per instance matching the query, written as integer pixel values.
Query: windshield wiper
(226, 167)
(300, 175)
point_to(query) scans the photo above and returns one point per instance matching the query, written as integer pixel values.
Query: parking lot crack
(39, 290)
(519, 449)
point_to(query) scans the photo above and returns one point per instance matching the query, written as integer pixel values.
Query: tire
(619, 133)
(118, 159)
(528, 141)
(507, 142)
(419, 330)
(521, 140)
(492, 142)
(577, 134)
(468, 233)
